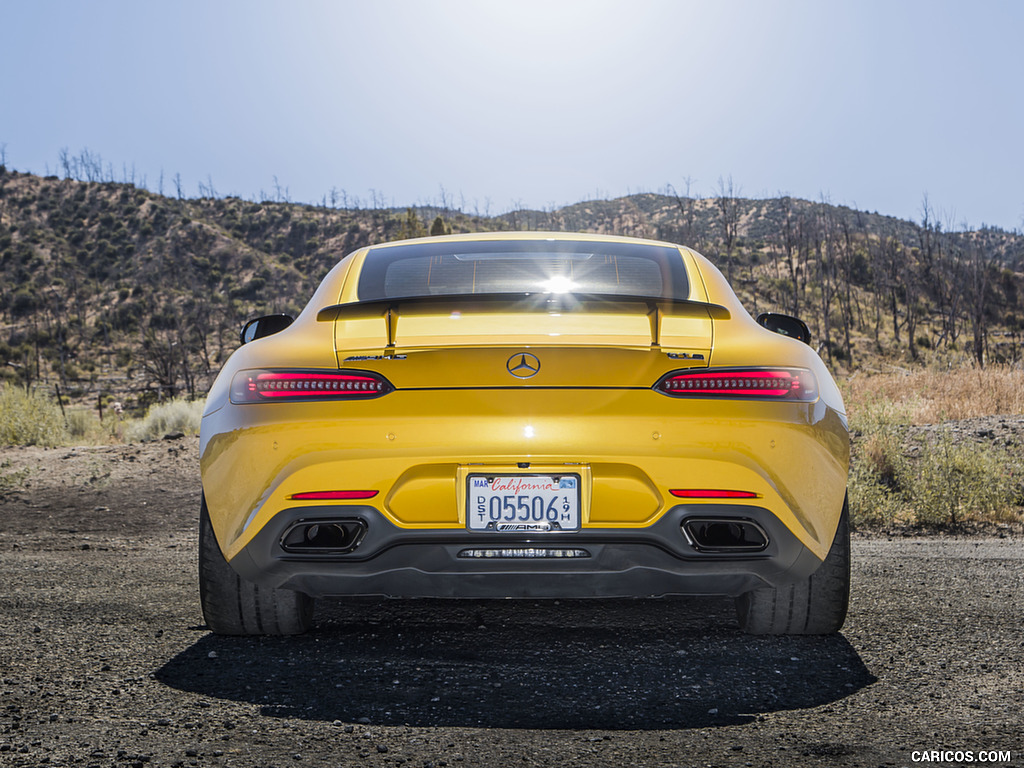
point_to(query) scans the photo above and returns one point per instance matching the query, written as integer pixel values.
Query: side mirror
(785, 325)
(267, 325)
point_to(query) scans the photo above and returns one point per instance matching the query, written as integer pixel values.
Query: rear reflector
(290, 386)
(757, 384)
(332, 495)
(711, 493)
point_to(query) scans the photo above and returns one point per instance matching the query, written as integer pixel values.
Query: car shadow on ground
(571, 664)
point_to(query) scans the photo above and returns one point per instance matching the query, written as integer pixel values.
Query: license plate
(523, 503)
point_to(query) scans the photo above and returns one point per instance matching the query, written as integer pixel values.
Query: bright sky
(531, 102)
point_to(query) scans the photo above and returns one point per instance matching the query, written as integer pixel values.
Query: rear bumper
(635, 562)
(630, 447)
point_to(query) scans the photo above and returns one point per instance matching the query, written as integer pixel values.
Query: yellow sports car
(530, 415)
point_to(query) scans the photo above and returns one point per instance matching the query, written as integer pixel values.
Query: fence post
(60, 402)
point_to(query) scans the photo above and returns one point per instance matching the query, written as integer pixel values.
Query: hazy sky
(532, 103)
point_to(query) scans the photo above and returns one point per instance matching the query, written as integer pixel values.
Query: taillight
(793, 384)
(290, 386)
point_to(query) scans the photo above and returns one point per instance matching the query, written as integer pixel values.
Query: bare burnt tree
(687, 206)
(980, 277)
(852, 264)
(64, 160)
(791, 252)
(160, 361)
(821, 236)
(931, 267)
(729, 213)
(877, 277)
(891, 254)
(912, 287)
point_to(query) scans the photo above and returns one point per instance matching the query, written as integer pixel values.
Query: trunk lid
(522, 341)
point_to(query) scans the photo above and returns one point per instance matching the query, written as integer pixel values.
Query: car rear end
(428, 428)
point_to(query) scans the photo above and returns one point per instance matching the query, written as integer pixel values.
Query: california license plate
(523, 503)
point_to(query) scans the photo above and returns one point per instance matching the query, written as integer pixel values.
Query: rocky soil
(104, 660)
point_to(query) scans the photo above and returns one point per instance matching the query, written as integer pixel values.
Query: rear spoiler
(656, 308)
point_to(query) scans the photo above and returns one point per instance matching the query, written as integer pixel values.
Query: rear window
(524, 266)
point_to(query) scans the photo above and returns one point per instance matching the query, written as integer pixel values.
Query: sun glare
(558, 284)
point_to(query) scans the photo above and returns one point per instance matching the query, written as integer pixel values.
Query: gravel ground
(104, 660)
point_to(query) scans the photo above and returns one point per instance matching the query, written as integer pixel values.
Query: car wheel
(813, 606)
(234, 606)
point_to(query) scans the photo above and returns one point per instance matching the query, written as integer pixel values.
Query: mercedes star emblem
(523, 365)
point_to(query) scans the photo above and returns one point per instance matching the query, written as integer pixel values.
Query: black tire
(816, 605)
(234, 606)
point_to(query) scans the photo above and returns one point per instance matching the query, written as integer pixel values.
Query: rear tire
(816, 605)
(234, 606)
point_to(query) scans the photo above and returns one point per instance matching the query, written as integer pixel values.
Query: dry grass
(85, 427)
(926, 396)
(897, 479)
(177, 415)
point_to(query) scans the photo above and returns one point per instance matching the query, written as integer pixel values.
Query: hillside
(111, 291)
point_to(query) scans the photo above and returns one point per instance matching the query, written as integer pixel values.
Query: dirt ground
(104, 660)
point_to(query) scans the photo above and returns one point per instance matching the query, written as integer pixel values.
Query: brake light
(332, 495)
(755, 383)
(290, 386)
(711, 493)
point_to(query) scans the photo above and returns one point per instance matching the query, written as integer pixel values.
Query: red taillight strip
(711, 493)
(761, 384)
(263, 386)
(302, 384)
(332, 495)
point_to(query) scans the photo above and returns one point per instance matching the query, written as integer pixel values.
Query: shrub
(951, 483)
(29, 418)
(933, 479)
(79, 423)
(877, 466)
(178, 415)
(85, 427)
(938, 482)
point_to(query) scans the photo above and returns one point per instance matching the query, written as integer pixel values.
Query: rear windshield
(525, 266)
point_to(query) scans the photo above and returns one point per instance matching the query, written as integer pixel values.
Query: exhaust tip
(323, 536)
(724, 534)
